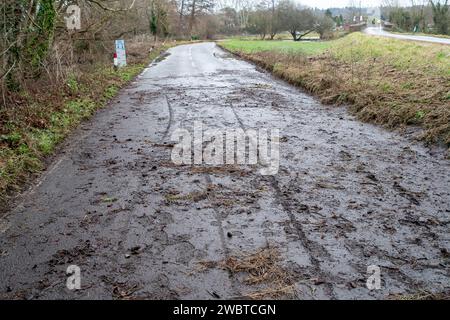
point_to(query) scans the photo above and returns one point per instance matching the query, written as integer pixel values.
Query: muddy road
(347, 195)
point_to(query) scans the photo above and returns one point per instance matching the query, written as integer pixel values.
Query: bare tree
(297, 20)
(441, 16)
(324, 26)
(196, 9)
(259, 21)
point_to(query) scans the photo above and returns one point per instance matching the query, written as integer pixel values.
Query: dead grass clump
(262, 268)
(226, 169)
(194, 196)
(422, 295)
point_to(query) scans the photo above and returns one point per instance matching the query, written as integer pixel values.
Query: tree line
(268, 18)
(35, 40)
(428, 16)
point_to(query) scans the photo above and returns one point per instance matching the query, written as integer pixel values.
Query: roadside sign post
(120, 56)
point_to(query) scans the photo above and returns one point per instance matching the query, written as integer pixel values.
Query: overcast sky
(323, 4)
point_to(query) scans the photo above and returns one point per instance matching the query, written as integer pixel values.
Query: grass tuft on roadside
(390, 82)
(262, 268)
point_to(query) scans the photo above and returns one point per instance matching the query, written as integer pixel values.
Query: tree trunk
(294, 35)
(191, 22)
(304, 34)
(272, 22)
(180, 20)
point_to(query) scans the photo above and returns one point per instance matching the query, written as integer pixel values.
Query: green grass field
(254, 46)
(403, 55)
(357, 47)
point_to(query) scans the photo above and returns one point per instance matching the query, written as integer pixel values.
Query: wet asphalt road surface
(347, 195)
(376, 31)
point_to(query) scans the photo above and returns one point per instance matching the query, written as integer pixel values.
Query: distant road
(380, 32)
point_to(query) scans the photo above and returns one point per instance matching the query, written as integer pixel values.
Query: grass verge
(283, 46)
(39, 120)
(390, 82)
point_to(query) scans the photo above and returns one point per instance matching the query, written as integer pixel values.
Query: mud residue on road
(347, 196)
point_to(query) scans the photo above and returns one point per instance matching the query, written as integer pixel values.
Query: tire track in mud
(124, 231)
(218, 216)
(119, 263)
(226, 250)
(169, 106)
(219, 219)
(312, 248)
(114, 263)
